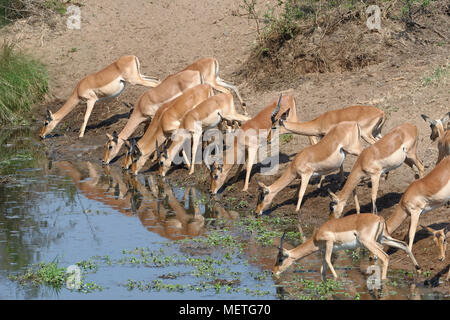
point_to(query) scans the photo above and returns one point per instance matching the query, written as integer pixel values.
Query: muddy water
(145, 239)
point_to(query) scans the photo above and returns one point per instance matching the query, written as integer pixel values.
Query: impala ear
(332, 195)
(115, 137)
(261, 185)
(110, 137)
(49, 116)
(445, 118)
(428, 229)
(427, 119)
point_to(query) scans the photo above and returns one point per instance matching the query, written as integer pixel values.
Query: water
(140, 238)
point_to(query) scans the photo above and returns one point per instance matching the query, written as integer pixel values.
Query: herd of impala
(174, 107)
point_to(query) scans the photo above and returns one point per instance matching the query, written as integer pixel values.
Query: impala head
(336, 205)
(263, 199)
(439, 239)
(164, 163)
(49, 124)
(217, 177)
(283, 260)
(436, 126)
(131, 146)
(113, 140)
(137, 160)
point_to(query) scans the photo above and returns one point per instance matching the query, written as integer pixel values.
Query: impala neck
(396, 219)
(282, 182)
(308, 128)
(303, 250)
(351, 183)
(70, 104)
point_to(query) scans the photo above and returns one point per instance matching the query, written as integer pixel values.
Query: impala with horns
(324, 157)
(206, 115)
(168, 122)
(370, 120)
(148, 103)
(441, 133)
(247, 138)
(105, 84)
(423, 195)
(397, 147)
(350, 232)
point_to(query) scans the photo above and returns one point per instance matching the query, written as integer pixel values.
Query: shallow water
(141, 238)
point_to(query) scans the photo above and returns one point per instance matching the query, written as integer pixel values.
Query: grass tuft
(23, 82)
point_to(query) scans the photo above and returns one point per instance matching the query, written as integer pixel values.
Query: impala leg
(375, 178)
(341, 174)
(328, 252)
(412, 228)
(355, 198)
(322, 177)
(323, 268)
(251, 156)
(89, 107)
(374, 249)
(303, 184)
(238, 171)
(412, 159)
(195, 142)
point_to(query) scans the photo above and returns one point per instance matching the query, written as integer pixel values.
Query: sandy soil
(168, 35)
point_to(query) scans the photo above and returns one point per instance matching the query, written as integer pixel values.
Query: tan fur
(441, 133)
(396, 147)
(261, 121)
(423, 195)
(362, 230)
(324, 157)
(149, 102)
(370, 119)
(167, 123)
(104, 83)
(207, 113)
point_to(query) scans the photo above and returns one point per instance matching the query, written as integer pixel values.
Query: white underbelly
(394, 161)
(111, 90)
(331, 164)
(347, 245)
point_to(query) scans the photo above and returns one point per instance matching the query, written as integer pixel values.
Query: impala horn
(276, 110)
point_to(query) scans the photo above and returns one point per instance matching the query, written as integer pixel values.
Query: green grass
(46, 273)
(23, 82)
(439, 76)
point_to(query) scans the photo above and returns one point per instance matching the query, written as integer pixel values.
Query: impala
(207, 114)
(250, 130)
(370, 119)
(423, 195)
(439, 239)
(107, 83)
(209, 68)
(168, 122)
(321, 158)
(148, 103)
(438, 132)
(388, 153)
(350, 232)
